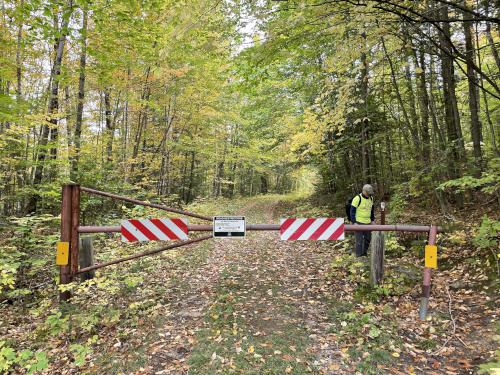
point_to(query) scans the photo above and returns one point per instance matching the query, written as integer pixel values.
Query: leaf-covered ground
(263, 306)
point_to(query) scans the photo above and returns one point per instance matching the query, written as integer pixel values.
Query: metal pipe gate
(71, 229)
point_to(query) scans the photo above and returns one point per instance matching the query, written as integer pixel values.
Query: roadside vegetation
(254, 306)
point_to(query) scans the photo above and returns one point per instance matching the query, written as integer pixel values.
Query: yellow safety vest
(363, 208)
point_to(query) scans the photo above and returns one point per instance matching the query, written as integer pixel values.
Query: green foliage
(10, 261)
(397, 281)
(488, 234)
(7, 356)
(56, 323)
(398, 204)
(89, 320)
(371, 339)
(30, 239)
(392, 245)
(133, 281)
(40, 363)
(488, 183)
(80, 352)
(355, 268)
(32, 362)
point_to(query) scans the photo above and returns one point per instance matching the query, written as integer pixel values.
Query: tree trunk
(53, 107)
(189, 195)
(143, 117)
(365, 122)
(488, 115)
(412, 109)
(424, 106)
(450, 100)
(110, 129)
(452, 118)
(494, 51)
(388, 147)
(264, 186)
(219, 173)
(475, 123)
(407, 124)
(438, 133)
(18, 57)
(251, 181)
(81, 96)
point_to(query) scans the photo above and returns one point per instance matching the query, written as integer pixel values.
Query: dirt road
(263, 306)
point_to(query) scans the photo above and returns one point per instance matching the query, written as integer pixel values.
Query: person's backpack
(348, 205)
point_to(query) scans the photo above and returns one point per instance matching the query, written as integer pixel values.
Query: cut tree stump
(377, 258)
(86, 257)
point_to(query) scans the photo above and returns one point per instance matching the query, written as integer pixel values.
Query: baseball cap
(368, 189)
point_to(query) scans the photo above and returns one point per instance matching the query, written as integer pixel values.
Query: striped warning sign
(154, 230)
(312, 229)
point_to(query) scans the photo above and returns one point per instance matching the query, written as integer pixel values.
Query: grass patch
(427, 344)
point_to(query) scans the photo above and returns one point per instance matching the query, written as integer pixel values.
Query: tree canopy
(207, 98)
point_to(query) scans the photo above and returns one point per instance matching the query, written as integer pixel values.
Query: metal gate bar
(260, 227)
(145, 253)
(142, 203)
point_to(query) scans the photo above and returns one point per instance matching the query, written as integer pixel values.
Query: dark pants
(362, 242)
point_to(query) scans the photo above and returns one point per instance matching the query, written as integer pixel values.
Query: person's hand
(372, 223)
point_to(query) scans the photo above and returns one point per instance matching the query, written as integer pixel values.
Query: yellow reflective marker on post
(62, 255)
(431, 256)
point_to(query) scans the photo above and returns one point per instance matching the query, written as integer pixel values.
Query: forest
(268, 109)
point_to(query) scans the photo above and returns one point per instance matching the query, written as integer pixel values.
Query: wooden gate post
(86, 257)
(70, 220)
(377, 258)
(66, 231)
(75, 222)
(426, 284)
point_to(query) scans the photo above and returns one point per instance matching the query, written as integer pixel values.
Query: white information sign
(229, 226)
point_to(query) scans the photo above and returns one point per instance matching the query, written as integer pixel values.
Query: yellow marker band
(431, 256)
(62, 254)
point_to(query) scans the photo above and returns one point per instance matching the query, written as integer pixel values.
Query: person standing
(363, 213)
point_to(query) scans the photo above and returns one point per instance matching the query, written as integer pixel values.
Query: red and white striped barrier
(154, 230)
(312, 229)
